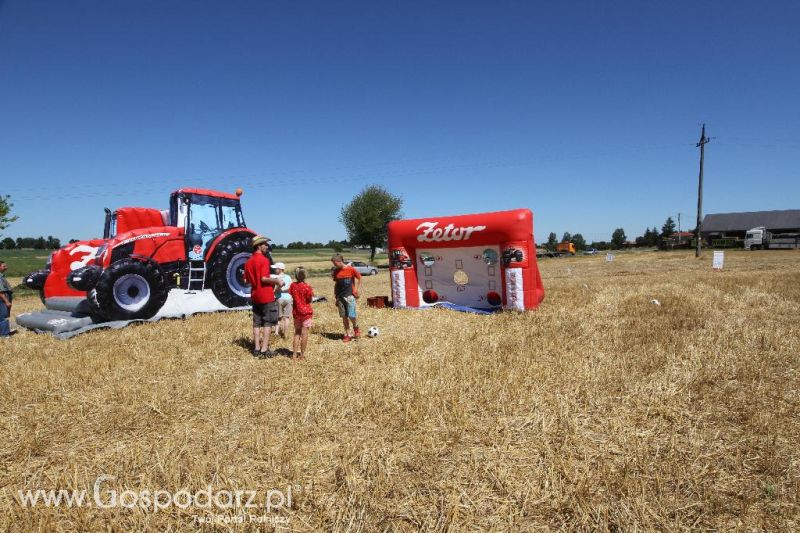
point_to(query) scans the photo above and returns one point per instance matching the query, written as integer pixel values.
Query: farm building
(735, 225)
(679, 239)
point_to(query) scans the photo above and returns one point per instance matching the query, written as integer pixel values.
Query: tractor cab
(204, 215)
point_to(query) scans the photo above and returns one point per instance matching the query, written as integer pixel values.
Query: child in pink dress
(303, 314)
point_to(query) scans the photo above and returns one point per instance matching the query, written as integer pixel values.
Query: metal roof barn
(784, 220)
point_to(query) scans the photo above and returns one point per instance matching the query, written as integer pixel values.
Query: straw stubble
(599, 410)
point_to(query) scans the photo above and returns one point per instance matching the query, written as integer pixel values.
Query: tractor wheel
(130, 289)
(36, 281)
(226, 271)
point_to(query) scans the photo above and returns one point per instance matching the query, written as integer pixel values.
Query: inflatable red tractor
(200, 242)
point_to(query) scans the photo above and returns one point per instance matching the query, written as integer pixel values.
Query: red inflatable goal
(483, 261)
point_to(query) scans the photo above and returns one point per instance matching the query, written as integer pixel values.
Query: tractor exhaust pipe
(107, 224)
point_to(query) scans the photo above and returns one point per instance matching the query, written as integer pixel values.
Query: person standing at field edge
(347, 285)
(262, 293)
(6, 295)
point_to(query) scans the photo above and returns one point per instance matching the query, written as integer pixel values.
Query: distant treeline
(53, 243)
(37, 243)
(299, 245)
(650, 238)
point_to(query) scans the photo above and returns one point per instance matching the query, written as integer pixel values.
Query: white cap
(279, 265)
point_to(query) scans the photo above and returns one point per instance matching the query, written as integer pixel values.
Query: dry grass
(600, 410)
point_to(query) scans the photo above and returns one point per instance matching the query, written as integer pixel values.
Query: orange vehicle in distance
(565, 248)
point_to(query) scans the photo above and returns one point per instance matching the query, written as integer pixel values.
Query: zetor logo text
(432, 233)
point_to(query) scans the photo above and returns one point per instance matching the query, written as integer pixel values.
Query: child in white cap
(284, 300)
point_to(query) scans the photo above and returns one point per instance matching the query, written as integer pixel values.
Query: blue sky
(585, 112)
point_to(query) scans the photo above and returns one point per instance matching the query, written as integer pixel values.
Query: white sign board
(719, 260)
(609, 257)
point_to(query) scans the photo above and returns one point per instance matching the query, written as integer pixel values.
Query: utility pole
(679, 231)
(701, 145)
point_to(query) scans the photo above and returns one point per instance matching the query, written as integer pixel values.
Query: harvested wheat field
(601, 410)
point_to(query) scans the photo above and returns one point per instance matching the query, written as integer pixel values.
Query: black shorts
(265, 314)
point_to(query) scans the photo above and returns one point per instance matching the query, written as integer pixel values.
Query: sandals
(266, 355)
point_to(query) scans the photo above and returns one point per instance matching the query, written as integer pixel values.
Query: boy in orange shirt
(346, 288)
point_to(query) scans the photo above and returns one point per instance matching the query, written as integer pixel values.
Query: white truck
(761, 239)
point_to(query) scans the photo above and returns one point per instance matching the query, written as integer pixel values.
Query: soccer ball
(373, 332)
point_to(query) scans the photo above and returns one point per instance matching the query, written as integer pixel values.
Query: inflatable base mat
(66, 324)
(460, 308)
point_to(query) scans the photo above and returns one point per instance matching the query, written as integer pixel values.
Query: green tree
(366, 216)
(650, 238)
(653, 239)
(579, 242)
(336, 245)
(567, 237)
(618, 238)
(5, 212)
(668, 229)
(9, 243)
(552, 240)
